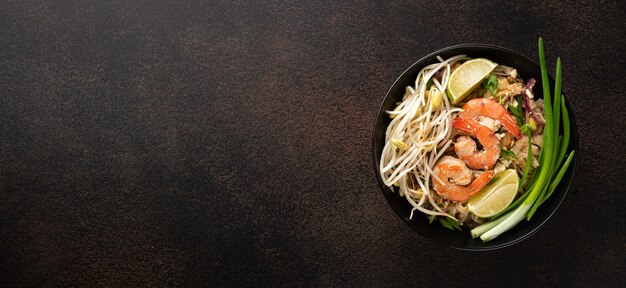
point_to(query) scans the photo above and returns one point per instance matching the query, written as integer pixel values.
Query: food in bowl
(469, 145)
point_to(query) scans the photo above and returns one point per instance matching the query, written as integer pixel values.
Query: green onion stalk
(546, 178)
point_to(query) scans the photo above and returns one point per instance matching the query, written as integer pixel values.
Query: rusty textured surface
(191, 144)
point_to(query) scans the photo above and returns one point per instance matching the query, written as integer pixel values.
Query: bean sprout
(426, 130)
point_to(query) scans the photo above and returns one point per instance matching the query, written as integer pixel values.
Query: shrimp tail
(466, 125)
(465, 148)
(480, 182)
(510, 124)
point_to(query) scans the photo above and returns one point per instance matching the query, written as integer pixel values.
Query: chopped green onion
(525, 128)
(445, 223)
(454, 224)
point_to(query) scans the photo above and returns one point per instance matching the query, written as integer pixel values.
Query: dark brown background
(158, 143)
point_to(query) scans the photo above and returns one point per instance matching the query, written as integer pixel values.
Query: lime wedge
(496, 196)
(468, 77)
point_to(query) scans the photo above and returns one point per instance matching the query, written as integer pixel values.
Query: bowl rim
(573, 145)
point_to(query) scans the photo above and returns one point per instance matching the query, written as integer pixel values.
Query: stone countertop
(228, 143)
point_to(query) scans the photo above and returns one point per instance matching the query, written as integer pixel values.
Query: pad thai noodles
(441, 151)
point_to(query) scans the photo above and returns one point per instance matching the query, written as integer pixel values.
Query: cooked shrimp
(452, 173)
(466, 120)
(465, 148)
(466, 125)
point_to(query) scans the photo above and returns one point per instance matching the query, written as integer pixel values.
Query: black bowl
(435, 232)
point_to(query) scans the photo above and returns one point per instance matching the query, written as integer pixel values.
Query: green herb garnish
(507, 154)
(491, 84)
(525, 129)
(449, 223)
(517, 110)
(454, 224)
(445, 223)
